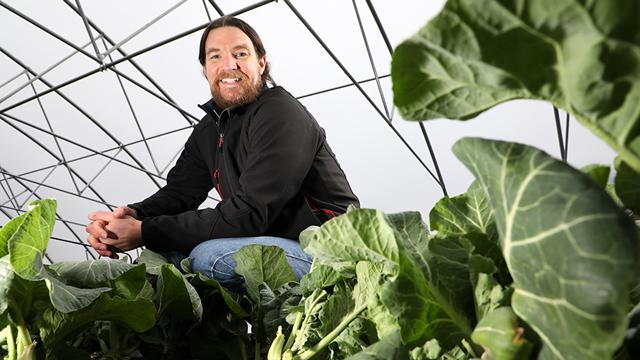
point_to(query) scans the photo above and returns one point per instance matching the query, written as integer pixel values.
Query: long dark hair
(245, 28)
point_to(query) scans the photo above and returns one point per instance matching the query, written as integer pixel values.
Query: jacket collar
(211, 108)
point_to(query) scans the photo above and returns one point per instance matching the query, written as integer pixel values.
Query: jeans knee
(219, 267)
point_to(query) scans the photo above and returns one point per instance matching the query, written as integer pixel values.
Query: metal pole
(55, 139)
(432, 153)
(126, 58)
(101, 153)
(38, 76)
(355, 83)
(131, 61)
(339, 87)
(566, 138)
(52, 154)
(559, 132)
(13, 78)
(143, 28)
(86, 25)
(373, 65)
(135, 117)
(96, 123)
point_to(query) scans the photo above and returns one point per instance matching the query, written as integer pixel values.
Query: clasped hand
(114, 231)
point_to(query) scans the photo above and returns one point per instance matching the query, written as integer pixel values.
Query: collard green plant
(572, 252)
(627, 186)
(582, 56)
(106, 309)
(502, 336)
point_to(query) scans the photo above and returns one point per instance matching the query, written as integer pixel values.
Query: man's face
(232, 67)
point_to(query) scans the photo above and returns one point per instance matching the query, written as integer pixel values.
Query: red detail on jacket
(216, 177)
(330, 213)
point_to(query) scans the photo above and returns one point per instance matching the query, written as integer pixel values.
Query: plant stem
(312, 308)
(24, 338)
(294, 331)
(257, 351)
(113, 336)
(11, 343)
(243, 349)
(311, 352)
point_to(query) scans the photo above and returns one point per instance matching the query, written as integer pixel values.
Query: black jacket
(270, 163)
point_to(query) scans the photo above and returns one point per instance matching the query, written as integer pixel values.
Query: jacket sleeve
(283, 140)
(188, 184)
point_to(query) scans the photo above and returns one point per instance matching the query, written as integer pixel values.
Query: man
(262, 151)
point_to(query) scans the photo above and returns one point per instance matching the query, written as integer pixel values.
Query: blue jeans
(214, 258)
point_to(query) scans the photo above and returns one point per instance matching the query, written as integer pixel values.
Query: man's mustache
(231, 74)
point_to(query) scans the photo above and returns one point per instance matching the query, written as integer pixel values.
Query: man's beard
(249, 91)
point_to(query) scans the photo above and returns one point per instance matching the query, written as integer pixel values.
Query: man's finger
(101, 215)
(97, 229)
(96, 244)
(107, 253)
(121, 212)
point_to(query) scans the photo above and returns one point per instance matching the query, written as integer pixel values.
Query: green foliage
(599, 173)
(582, 56)
(106, 309)
(556, 223)
(626, 185)
(263, 264)
(388, 348)
(500, 334)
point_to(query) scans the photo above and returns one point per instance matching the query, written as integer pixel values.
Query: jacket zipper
(221, 150)
(216, 172)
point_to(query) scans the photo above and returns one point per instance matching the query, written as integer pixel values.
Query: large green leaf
(200, 281)
(367, 291)
(320, 276)
(362, 234)
(501, 336)
(388, 348)
(259, 264)
(488, 295)
(432, 295)
(176, 296)
(583, 56)
(470, 215)
(572, 252)
(627, 185)
(30, 237)
(599, 173)
(66, 298)
(464, 214)
(7, 230)
(138, 315)
(152, 260)
(90, 273)
(6, 278)
(126, 280)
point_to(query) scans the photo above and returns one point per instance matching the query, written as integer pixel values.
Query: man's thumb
(119, 212)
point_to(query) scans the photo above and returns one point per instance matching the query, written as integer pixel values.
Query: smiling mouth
(230, 80)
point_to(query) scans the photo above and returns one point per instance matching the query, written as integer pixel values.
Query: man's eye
(214, 57)
(241, 54)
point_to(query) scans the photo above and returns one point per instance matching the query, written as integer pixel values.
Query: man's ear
(263, 64)
(204, 73)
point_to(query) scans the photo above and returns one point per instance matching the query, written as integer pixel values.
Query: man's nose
(230, 63)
